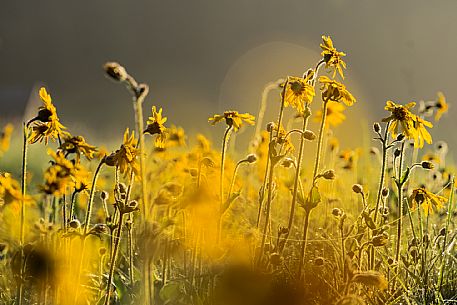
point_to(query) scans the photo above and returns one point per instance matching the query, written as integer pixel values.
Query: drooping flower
(335, 91)
(78, 145)
(156, 127)
(46, 123)
(422, 133)
(299, 92)
(335, 114)
(332, 56)
(175, 136)
(233, 119)
(5, 138)
(426, 199)
(441, 106)
(401, 118)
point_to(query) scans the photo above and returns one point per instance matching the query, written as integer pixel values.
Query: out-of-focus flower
(10, 190)
(5, 138)
(335, 114)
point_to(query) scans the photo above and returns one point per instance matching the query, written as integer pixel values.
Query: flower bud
(287, 162)
(357, 188)
(75, 224)
(427, 165)
(271, 126)
(329, 174)
(400, 137)
(309, 135)
(376, 127)
(251, 158)
(104, 195)
(397, 152)
(385, 192)
(337, 212)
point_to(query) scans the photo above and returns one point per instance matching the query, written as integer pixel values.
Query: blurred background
(204, 57)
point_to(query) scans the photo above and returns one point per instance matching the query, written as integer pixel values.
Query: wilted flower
(332, 56)
(78, 145)
(335, 91)
(428, 200)
(233, 119)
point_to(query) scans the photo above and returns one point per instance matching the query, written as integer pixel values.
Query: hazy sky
(201, 57)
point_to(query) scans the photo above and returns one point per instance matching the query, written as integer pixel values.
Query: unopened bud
(357, 188)
(427, 165)
(115, 71)
(251, 158)
(329, 174)
(309, 135)
(376, 127)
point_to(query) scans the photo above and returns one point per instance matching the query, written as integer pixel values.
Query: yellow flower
(48, 125)
(335, 114)
(203, 143)
(422, 133)
(401, 118)
(156, 126)
(10, 190)
(64, 173)
(175, 136)
(441, 106)
(428, 200)
(299, 92)
(233, 119)
(335, 91)
(332, 57)
(125, 156)
(5, 138)
(78, 145)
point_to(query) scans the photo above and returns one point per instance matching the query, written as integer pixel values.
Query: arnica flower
(335, 114)
(155, 127)
(401, 118)
(10, 190)
(5, 138)
(175, 136)
(48, 125)
(422, 133)
(332, 57)
(125, 156)
(78, 145)
(441, 106)
(335, 91)
(64, 173)
(428, 200)
(233, 119)
(299, 92)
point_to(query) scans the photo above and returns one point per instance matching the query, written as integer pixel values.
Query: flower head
(335, 91)
(125, 156)
(422, 133)
(441, 106)
(428, 200)
(335, 114)
(233, 119)
(47, 125)
(5, 138)
(332, 56)
(78, 145)
(299, 92)
(156, 127)
(401, 118)
(10, 190)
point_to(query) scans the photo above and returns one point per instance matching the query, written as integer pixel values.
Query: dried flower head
(426, 199)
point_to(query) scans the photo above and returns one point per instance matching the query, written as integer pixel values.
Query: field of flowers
(292, 219)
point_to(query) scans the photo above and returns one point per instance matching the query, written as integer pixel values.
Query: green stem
(448, 221)
(400, 206)
(221, 178)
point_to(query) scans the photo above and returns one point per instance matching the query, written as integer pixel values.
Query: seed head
(115, 71)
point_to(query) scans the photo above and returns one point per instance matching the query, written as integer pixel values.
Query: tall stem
(307, 114)
(319, 142)
(221, 178)
(301, 263)
(23, 193)
(400, 184)
(114, 258)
